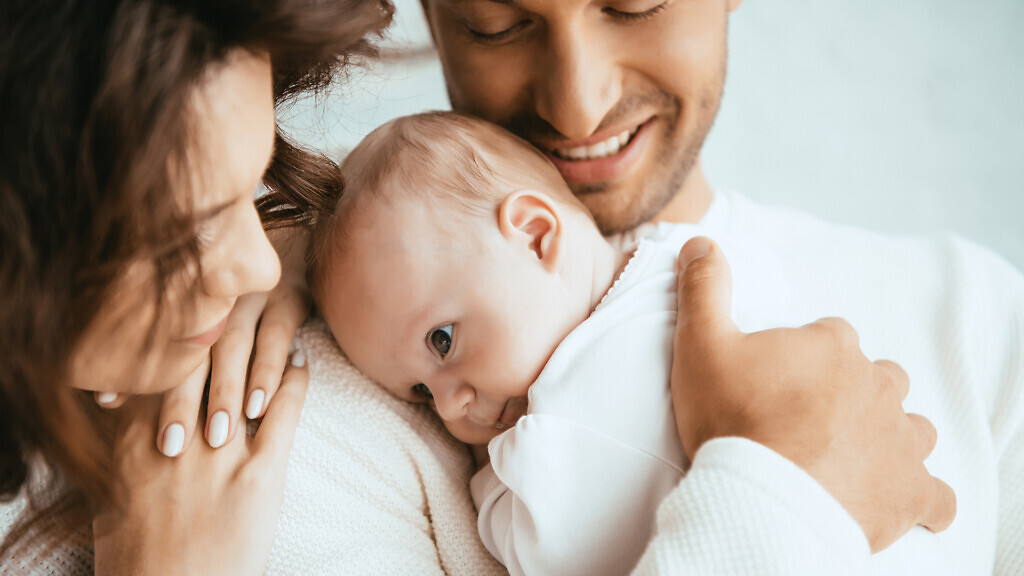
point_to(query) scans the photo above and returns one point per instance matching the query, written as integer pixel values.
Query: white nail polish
(255, 404)
(106, 397)
(219, 425)
(299, 358)
(174, 440)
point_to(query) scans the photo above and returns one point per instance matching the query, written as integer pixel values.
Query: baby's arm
(561, 498)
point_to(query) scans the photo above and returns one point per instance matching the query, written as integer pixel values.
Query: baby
(459, 270)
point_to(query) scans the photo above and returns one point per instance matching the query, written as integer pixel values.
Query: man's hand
(809, 394)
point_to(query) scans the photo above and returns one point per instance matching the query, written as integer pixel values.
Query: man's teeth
(609, 147)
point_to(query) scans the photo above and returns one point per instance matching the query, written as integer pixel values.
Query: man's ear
(530, 218)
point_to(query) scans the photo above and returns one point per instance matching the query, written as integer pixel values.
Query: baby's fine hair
(448, 158)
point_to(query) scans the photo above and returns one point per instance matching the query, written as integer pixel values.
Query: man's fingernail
(219, 425)
(697, 247)
(174, 440)
(255, 404)
(106, 397)
(299, 358)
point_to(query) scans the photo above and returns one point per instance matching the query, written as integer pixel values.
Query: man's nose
(577, 81)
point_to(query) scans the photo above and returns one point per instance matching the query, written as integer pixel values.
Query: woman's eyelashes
(422, 390)
(440, 339)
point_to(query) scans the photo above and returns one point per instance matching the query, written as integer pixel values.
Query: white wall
(900, 116)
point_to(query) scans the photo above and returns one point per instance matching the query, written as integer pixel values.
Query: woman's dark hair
(93, 94)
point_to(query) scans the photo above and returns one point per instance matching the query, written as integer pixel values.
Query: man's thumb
(704, 290)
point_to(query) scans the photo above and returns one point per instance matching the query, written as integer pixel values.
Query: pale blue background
(901, 116)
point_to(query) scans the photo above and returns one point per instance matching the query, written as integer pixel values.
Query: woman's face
(234, 137)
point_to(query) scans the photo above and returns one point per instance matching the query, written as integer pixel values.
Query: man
(620, 95)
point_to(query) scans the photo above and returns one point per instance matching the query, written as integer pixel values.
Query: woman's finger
(274, 438)
(110, 400)
(230, 367)
(286, 310)
(179, 412)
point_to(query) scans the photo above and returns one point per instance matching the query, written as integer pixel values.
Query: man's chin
(615, 208)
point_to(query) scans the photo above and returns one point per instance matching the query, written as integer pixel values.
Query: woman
(135, 135)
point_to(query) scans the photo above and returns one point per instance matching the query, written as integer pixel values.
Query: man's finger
(705, 291)
(179, 412)
(896, 377)
(925, 433)
(940, 509)
(277, 430)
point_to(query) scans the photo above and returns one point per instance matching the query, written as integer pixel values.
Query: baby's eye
(441, 339)
(422, 390)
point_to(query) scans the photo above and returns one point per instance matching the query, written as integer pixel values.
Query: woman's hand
(207, 511)
(810, 395)
(266, 320)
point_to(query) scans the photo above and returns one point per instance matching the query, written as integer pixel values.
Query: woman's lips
(607, 168)
(208, 338)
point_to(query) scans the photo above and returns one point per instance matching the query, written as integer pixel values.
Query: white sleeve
(743, 510)
(557, 492)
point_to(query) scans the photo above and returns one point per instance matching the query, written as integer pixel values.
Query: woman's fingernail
(299, 358)
(219, 425)
(255, 404)
(106, 397)
(174, 440)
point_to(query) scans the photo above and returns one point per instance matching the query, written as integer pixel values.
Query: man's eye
(441, 339)
(640, 16)
(422, 390)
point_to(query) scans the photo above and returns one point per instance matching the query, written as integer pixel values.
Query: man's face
(619, 93)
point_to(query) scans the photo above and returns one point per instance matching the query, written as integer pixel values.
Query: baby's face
(440, 312)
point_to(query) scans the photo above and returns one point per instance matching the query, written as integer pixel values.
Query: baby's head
(452, 266)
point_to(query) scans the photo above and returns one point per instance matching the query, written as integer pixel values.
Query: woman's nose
(245, 264)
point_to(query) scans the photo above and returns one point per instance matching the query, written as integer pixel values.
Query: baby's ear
(531, 218)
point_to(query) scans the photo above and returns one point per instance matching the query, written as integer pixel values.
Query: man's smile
(605, 156)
